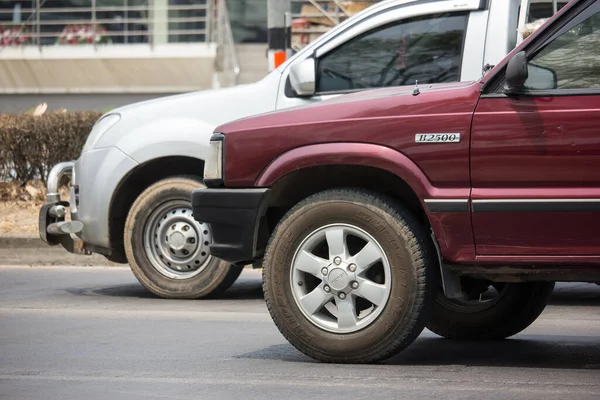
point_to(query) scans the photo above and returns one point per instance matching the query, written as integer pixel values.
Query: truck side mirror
(516, 74)
(303, 77)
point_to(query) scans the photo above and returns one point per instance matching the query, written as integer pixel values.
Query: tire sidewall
(518, 308)
(175, 190)
(396, 313)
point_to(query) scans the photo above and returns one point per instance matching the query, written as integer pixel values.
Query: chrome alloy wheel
(176, 244)
(340, 278)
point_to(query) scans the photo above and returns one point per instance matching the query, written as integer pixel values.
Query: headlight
(100, 128)
(213, 165)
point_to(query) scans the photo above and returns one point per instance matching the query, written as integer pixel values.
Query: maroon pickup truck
(453, 206)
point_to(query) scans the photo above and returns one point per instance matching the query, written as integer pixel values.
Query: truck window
(427, 48)
(571, 61)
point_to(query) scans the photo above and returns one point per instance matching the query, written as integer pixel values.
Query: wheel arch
(138, 180)
(289, 189)
(357, 154)
(368, 166)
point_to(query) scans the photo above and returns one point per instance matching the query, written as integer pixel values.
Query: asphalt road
(95, 333)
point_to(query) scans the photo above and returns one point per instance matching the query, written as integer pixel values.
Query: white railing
(155, 22)
(96, 23)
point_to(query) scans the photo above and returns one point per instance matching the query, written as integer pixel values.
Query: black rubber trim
(217, 136)
(234, 216)
(288, 90)
(213, 183)
(544, 93)
(537, 206)
(441, 206)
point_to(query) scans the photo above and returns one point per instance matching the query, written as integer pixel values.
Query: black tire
(516, 309)
(215, 277)
(408, 249)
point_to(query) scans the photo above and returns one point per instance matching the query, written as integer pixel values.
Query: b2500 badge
(437, 137)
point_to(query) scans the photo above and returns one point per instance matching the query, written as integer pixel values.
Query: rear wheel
(346, 277)
(168, 250)
(489, 310)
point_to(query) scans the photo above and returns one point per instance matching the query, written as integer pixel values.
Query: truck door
(535, 158)
(432, 42)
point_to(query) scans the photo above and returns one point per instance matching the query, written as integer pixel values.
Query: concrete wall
(81, 78)
(253, 61)
(136, 68)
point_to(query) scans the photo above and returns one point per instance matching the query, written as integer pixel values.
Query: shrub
(32, 143)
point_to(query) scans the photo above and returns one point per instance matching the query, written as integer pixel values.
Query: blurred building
(248, 20)
(97, 54)
(84, 54)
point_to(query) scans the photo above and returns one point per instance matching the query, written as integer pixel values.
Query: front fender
(364, 154)
(97, 174)
(101, 171)
(452, 228)
(166, 137)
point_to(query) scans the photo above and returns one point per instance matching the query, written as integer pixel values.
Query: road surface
(95, 333)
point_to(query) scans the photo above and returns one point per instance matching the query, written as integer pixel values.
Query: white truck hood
(215, 106)
(203, 109)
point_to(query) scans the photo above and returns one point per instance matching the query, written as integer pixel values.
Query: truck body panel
(521, 180)
(535, 165)
(392, 117)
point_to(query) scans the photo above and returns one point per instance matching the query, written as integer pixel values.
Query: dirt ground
(20, 206)
(19, 219)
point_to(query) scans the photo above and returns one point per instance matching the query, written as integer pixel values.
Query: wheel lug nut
(337, 261)
(192, 240)
(342, 295)
(324, 271)
(352, 267)
(185, 252)
(327, 289)
(186, 228)
(354, 285)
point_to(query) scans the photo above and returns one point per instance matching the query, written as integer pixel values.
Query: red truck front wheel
(347, 277)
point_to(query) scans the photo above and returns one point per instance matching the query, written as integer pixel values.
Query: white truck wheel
(168, 250)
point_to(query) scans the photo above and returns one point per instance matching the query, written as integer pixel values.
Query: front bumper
(53, 228)
(235, 217)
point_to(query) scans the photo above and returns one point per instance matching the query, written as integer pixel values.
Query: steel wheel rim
(350, 279)
(176, 244)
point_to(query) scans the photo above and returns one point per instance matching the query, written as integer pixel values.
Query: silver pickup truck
(131, 186)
